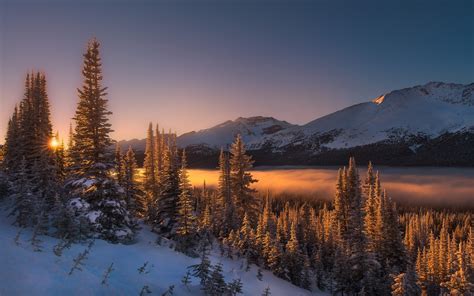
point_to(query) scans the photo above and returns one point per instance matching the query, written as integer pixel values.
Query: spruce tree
(225, 206)
(118, 164)
(294, 258)
(167, 199)
(149, 181)
(405, 284)
(92, 162)
(134, 196)
(240, 179)
(12, 145)
(216, 286)
(186, 218)
(458, 283)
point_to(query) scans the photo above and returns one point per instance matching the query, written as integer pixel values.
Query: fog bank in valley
(420, 185)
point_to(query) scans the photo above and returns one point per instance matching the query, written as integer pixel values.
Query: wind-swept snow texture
(25, 272)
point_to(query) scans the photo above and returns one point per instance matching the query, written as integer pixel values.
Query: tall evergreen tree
(167, 199)
(119, 164)
(12, 144)
(92, 163)
(225, 204)
(186, 218)
(134, 196)
(149, 181)
(240, 179)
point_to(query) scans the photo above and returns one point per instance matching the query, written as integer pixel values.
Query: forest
(361, 243)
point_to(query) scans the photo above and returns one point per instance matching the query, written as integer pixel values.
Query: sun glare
(53, 143)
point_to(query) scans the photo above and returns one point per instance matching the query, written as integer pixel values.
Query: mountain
(420, 125)
(424, 111)
(252, 130)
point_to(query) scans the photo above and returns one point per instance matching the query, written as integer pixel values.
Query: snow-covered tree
(90, 176)
(134, 196)
(240, 180)
(149, 178)
(167, 199)
(458, 283)
(225, 207)
(405, 283)
(186, 219)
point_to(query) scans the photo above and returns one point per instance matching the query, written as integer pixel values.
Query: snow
(93, 215)
(25, 272)
(252, 129)
(426, 110)
(79, 204)
(84, 182)
(429, 110)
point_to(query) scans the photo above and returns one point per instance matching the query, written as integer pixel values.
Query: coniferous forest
(359, 243)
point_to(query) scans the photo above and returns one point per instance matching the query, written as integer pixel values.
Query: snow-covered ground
(25, 272)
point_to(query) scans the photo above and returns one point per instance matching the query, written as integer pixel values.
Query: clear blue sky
(191, 64)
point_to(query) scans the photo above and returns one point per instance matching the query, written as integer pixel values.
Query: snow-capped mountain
(407, 126)
(252, 130)
(422, 111)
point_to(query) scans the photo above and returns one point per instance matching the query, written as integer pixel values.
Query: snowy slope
(252, 130)
(25, 272)
(428, 110)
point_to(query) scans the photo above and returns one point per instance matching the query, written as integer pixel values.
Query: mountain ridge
(409, 117)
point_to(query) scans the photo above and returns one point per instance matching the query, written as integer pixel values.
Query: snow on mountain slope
(25, 272)
(252, 130)
(427, 110)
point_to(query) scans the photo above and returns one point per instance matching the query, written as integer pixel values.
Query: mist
(421, 185)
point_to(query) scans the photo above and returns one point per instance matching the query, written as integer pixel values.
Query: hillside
(44, 273)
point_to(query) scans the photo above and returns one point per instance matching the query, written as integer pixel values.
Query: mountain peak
(252, 129)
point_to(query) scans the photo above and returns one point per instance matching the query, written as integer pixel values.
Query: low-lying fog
(432, 185)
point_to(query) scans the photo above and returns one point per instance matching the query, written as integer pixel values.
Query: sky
(189, 65)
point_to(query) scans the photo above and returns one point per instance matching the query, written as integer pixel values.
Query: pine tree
(240, 179)
(235, 287)
(12, 156)
(23, 197)
(27, 149)
(216, 285)
(149, 181)
(206, 219)
(119, 164)
(134, 196)
(186, 218)
(405, 284)
(247, 237)
(370, 220)
(60, 160)
(203, 269)
(167, 199)
(369, 182)
(158, 155)
(340, 202)
(90, 174)
(294, 259)
(458, 283)
(225, 206)
(69, 156)
(266, 292)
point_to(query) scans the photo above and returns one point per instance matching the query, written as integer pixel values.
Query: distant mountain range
(431, 124)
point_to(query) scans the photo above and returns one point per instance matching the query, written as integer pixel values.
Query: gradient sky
(190, 65)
